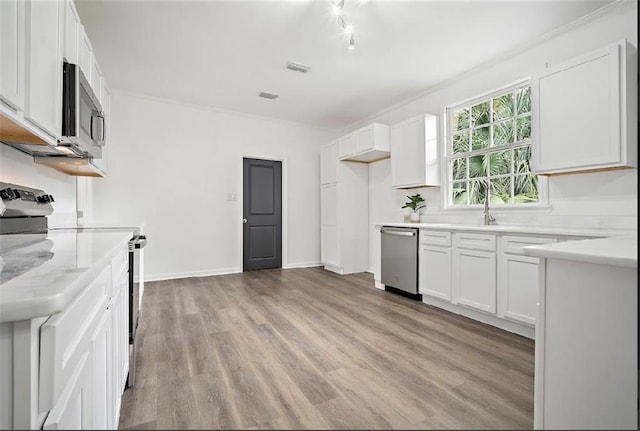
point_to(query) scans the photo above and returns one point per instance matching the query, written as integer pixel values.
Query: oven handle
(138, 241)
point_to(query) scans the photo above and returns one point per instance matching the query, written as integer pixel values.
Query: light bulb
(337, 8)
(348, 29)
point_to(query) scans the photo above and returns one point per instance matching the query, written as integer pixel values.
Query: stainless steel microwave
(82, 116)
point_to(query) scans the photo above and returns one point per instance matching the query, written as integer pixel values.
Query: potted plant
(416, 203)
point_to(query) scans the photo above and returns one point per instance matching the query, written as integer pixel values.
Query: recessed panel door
(262, 209)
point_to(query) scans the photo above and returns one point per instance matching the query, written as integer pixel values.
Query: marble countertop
(615, 251)
(532, 230)
(40, 274)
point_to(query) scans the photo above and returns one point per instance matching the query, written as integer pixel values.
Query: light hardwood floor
(309, 349)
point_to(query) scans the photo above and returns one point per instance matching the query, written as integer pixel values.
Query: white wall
(171, 167)
(605, 199)
(19, 168)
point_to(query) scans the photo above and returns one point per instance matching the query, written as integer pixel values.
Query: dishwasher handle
(398, 232)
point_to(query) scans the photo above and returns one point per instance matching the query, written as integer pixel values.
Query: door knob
(244, 220)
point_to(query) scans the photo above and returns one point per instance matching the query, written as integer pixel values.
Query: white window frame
(446, 149)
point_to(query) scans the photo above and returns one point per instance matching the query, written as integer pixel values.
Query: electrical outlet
(232, 197)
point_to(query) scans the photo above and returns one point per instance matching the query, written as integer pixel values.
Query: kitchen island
(64, 329)
(586, 363)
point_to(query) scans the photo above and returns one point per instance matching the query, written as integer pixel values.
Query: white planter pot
(415, 217)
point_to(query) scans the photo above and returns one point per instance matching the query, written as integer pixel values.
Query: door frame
(240, 200)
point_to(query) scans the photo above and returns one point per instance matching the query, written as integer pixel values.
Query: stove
(24, 210)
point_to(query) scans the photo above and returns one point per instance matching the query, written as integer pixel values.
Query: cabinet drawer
(63, 338)
(119, 264)
(435, 237)
(475, 241)
(515, 244)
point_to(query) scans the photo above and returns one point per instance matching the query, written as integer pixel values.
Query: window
(489, 144)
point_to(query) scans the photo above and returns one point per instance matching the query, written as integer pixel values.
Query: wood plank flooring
(309, 349)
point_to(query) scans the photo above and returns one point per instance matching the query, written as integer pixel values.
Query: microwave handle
(97, 127)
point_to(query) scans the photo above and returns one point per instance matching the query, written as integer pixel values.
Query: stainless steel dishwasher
(400, 258)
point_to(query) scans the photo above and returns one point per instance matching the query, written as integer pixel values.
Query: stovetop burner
(23, 209)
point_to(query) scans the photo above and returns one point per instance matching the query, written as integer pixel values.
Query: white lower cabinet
(434, 276)
(474, 279)
(518, 279)
(434, 257)
(75, 407)
(101, 346)
(73, 365)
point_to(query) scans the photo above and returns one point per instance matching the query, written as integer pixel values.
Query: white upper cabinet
(72, 28)
(584, 112)
(96, 78)
(44, 101)
(346, 146)
(367, 144)
(84, 54)
(12, 45)
(414, 152)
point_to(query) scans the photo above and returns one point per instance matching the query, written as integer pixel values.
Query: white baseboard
(223, 271)
(302, 265)
(378, 284)
(507, 325)
(205, 273)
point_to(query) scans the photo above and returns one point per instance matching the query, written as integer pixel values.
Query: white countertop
(46, 272)
(533, 230)
(615, 251)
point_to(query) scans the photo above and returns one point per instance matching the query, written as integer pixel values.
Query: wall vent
(297, 67)
(268, 95)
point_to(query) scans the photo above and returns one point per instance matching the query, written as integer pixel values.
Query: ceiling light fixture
(337, 8)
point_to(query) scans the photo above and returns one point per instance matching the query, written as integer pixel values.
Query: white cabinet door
(329, 163)
(74, 408)
(44, 106)
(346, 146)
(96, 78)
(13, 48)
(414, 152)
(120, 343)
(434, 277)
(364, 140)
(72, 27)
(367, 144)
(520, 278)
(123, 305)
(85, 51)
(329, 224)
(330, 245)
(329, 205)
(474, 279)
(580, 111)
(100, 345)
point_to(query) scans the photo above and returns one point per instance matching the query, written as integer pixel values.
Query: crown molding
(618, 6)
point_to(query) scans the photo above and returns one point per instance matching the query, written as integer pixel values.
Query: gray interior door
(262, 209)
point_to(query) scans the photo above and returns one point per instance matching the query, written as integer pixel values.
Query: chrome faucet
(488, 218)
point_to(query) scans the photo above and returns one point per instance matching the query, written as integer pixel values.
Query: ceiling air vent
(268, 95)
(297, 67)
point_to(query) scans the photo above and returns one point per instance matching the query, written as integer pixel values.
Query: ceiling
(221, 54)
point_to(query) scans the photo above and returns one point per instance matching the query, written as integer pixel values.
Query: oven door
(136, 279)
